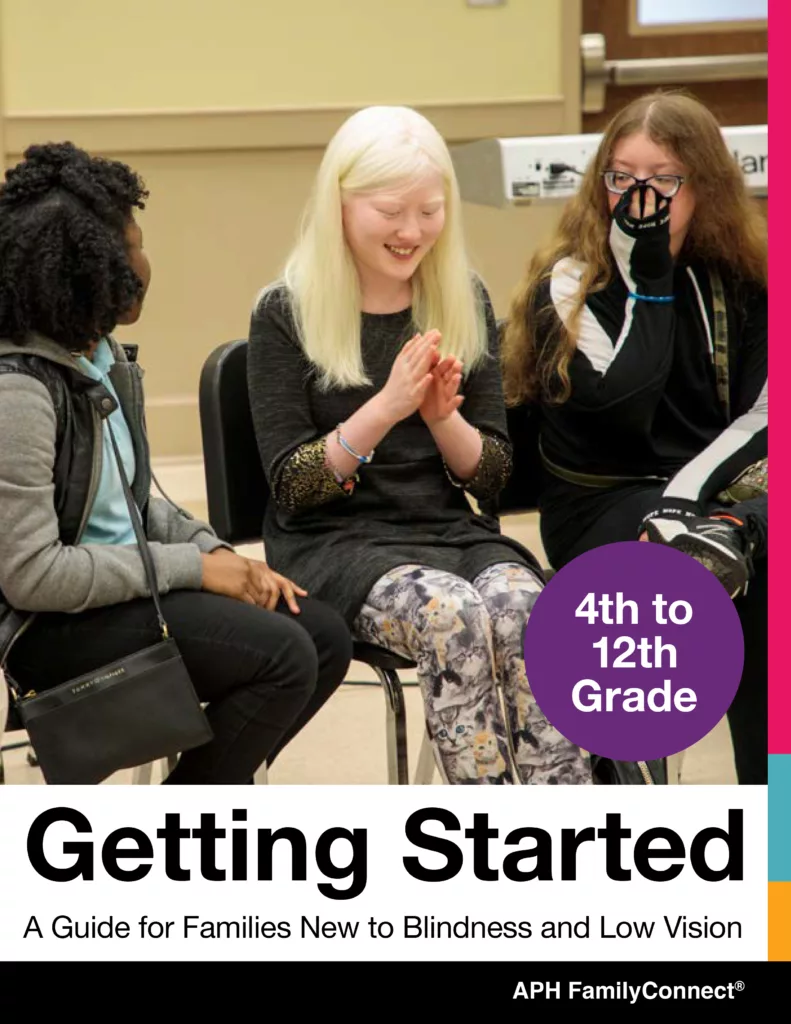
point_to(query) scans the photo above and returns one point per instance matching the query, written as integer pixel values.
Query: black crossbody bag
(135, 710)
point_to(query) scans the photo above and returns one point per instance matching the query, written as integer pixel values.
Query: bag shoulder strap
(720, 341)
(137, 526)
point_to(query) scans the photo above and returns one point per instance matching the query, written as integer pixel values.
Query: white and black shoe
(714, 543)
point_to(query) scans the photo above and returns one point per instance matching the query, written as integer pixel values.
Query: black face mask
(624, 203)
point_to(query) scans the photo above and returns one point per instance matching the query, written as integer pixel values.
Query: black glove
(650, 262)
(658, 218)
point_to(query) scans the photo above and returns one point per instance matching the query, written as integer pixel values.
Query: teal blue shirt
(109, 521)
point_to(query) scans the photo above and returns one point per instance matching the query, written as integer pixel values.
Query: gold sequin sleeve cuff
(306, 480)
(493, 469)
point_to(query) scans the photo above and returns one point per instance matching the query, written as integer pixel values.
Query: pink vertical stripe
(780, 364)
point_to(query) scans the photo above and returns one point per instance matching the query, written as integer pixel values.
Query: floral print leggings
(466, 638)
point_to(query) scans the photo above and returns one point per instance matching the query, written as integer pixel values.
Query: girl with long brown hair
(640, 337)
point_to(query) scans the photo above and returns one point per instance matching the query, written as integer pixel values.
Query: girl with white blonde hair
(377, 402)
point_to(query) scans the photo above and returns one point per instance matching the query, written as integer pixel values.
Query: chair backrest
(4, 706)
(236, 487)
(523, 488)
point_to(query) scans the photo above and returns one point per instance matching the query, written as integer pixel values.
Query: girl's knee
(454, 608)
(331, 638)
(509, 587)
(295, 662)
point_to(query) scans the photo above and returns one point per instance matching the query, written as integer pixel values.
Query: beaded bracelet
(652, 298)
(362, 459)
(346, 483)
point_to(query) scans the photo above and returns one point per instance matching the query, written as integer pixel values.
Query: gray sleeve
(37, 572)
(171, 525)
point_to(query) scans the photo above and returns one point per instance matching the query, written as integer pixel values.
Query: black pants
(264, 674)
(576, 519)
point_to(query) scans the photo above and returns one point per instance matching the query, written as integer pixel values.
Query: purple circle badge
(634, 651)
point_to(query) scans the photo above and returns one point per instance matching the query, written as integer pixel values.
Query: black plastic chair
(238, 493)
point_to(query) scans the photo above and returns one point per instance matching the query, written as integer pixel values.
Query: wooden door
(740, 102)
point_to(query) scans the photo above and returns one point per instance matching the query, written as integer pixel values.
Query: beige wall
(227, 185)
(183, 54)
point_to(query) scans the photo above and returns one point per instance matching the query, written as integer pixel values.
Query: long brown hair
(727, 228)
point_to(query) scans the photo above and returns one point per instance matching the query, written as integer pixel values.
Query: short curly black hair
(64, 270)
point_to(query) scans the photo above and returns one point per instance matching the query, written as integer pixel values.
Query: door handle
(598, 72)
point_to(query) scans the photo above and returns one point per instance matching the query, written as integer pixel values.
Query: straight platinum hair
(378, 148)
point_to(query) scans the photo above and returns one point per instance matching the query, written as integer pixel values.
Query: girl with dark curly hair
(72, 267)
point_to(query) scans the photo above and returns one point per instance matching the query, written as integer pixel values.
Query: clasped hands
(422, 380)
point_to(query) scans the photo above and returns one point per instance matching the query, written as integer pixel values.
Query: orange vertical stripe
(780, 920)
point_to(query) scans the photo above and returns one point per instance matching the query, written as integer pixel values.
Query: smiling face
(390, 232)
(639, 156)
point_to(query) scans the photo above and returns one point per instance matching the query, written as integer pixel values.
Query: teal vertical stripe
(780, 817)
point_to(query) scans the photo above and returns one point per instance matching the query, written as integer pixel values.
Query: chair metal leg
(675, 764)
(32, 760)
(425, 764)
(397, 758)
(3, 721)
(141, 776)
(167, 765)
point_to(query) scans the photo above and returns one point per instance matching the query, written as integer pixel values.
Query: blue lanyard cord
(652, 298)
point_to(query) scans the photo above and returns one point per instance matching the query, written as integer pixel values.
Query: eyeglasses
(665, 184)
